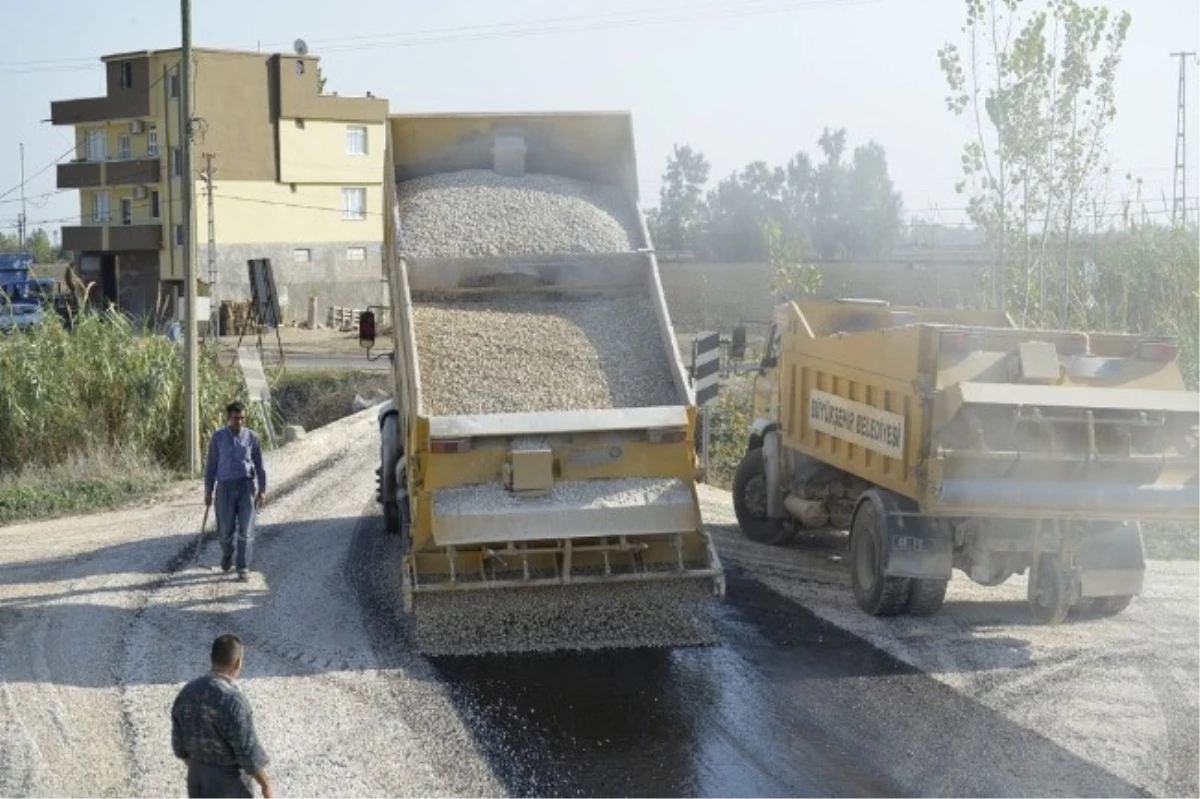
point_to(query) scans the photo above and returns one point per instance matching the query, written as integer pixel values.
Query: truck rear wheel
(875, 593)
(391, 518)
(750, 502)
(927, 597)
(1049, 590)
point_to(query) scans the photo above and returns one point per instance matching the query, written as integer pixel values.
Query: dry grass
(313, 398)
(85, 482)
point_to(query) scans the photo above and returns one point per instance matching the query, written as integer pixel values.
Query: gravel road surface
(102, 618)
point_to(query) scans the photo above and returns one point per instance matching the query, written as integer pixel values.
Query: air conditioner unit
(139, 192)
(136, 126)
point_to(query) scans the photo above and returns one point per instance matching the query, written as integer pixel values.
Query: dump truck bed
(967, 415)
(548, 418)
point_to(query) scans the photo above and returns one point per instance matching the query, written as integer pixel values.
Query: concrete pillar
(312, 312)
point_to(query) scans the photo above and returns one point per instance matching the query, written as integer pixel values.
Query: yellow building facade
(296, 177)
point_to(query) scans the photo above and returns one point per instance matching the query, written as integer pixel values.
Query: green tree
(1038, 84)
(679, 218)
(38, 244)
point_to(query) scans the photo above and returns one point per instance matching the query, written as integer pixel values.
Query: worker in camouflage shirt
(212, 730)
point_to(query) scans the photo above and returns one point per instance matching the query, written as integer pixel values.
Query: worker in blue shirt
(235, 463)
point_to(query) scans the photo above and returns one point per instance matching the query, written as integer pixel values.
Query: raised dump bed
(540, 455)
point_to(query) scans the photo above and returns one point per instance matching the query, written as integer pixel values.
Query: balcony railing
(110, 237)
(86, 174)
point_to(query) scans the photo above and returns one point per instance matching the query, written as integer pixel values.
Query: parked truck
(537, 459)
(947, 439)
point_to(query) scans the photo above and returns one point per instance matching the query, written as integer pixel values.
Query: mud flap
(1111, 561)
(914, 547)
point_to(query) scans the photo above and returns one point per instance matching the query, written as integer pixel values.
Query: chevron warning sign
(706, 366)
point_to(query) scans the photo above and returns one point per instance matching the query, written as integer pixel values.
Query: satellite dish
(301, 47)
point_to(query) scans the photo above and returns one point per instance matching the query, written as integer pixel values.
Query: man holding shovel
(235, 463)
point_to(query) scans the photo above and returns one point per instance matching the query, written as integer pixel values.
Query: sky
(738, 80)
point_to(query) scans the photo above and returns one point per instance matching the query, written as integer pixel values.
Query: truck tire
(750, 503)
(391, 518)
(1102, 607)
(927, 597)
(389, 442)
(1049, 590)
(875, 594)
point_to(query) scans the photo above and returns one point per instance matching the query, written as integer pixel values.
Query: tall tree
(1037, 82)
(679, 216)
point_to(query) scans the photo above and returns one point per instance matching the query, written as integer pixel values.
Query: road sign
(706, 366)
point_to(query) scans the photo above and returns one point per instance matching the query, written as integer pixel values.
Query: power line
(573, 24)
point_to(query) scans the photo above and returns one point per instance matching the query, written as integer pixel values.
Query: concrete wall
(328, 273)
(717, 295)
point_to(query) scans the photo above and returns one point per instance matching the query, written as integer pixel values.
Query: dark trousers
(218, 782)
(235, 514)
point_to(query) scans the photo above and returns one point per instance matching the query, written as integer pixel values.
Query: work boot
(243, 575)
(226, 564)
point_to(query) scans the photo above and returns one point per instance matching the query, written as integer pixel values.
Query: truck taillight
(449, 446)
(667, 435)
(1157, 349)
(960, 341)
(366, 329)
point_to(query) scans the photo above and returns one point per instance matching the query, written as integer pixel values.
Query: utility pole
(214, 306)
(21, 219)
(1179, 206)
(191, 370)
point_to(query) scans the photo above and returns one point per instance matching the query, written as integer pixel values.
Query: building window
(152, 143)
(179, 235)
(354, 203)
(356, 140)
(154, 208)
(101, 207)
(176, 162)
(173, 85)
(356, 253)
(301, 255)
(126, 74)
(124, 147)
(97, 145)
(126, 211)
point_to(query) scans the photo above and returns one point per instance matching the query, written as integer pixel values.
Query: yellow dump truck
(538, 456)
(954, 439)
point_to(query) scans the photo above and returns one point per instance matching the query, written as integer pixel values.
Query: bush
(729, 418)
(105, 386)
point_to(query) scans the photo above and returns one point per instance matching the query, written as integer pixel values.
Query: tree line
(37, 244)
(841, 206)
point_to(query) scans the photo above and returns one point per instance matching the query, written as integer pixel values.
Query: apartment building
(297, 178)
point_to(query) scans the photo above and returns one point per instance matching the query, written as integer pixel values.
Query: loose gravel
(479, 213)
(1121, 692)
(511, 354)
(572, 495)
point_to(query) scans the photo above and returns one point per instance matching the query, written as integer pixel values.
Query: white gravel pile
(511, 354)
(569, 494)
(575, 617)
(477, 212)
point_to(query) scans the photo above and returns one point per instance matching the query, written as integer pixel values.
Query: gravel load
(513, 354)
(576, 617)
(477, 212)
(572, 494)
